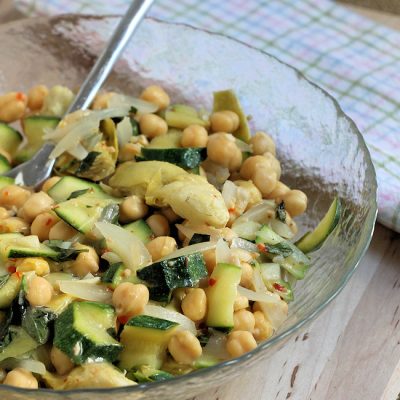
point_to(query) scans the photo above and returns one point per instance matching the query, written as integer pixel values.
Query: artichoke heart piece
(92, 375)
(164, 184)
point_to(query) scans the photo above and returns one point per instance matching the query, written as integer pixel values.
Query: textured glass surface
(320, 149)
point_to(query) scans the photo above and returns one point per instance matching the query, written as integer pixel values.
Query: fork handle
(104, 64)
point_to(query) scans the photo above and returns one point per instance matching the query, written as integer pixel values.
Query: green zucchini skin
(4, 164)
(283, 252)
(76, 329)
(9, 288)
(10, 138)
(165, 276)
(114, 276)
(145, 341)
(141, 230)
(312, 241)
(182, 157)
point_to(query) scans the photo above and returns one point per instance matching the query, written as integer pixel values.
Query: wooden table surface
(352, 350)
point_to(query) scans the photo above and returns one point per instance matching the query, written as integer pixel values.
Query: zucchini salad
(163, 242)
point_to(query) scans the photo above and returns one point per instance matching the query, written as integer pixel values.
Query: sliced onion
(194, 248)
(223, 252)
(259, 213)
(86, 290)
(111, 257)
(55, 277)
(247, 230)
(239, 243)
(216, 346)
(265, 297)
(34, 366)
(189, 230)
(281, 229)
(124, 131)
(78, 152)
(121, 100)
(170, 315)
(229, 193)
(243, 146)
(127, 246)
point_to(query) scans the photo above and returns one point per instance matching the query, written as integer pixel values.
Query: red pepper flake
(104, 251)
(232, 209)
(11, 269)
(261, 247)
(49, 222)
(212, 281)
(279, 287)
(20, 96)
(123, 319)
(18, 274)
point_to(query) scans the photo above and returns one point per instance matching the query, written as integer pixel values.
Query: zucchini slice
(141, 230)
(145, 340)
(182, 120)
(171, 140)
(35, 126)
(84, 211)
(81, 332)
(9, 288)
(20, 344)
(10, 138)
(165, 276)
(4, 164)
(312, 241)
(221, 294)
(183, 157)
(68, 185)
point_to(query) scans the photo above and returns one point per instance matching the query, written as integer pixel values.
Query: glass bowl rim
(369, 227)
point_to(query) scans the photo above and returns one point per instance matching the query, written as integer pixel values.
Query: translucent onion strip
(86, 290)
(194, 248)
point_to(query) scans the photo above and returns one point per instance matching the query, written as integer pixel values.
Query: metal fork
(38, 169)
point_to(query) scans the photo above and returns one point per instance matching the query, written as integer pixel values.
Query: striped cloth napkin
(353, 58)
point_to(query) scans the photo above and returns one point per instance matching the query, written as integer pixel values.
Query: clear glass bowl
(320, 148)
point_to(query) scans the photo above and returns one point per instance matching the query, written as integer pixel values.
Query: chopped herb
(87, 162)
(281, 212)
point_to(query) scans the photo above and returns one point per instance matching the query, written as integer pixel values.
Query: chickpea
(194, 136)
(35, 205)
(169, 213)
(14, 225)
(275, 165)
(12, 106)
(3, 213)
(36, 97)
(222, 149)
(295, 202)
(158, 224)
(224, 121)
(101, 100)
(254, 193)
(42, 224)
(262, 328)
(246, 279)
(130, 299)
(241, 302)
(61, 231)
(129, 151)
(240, 342)
(161, 246)
(39, 291)
(184, 347)
(279, 191)
(49, 183)
(265, 181)
(62, 363)
(152, 125)
(86, 262)
(132, 208)
(20, 377)
(243, 320)
(156, 95)
(210, 260)
(37, 264)
(263, 143)
(13, 196)
(194, 305)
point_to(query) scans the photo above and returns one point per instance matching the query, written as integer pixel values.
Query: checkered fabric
(353, 58)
